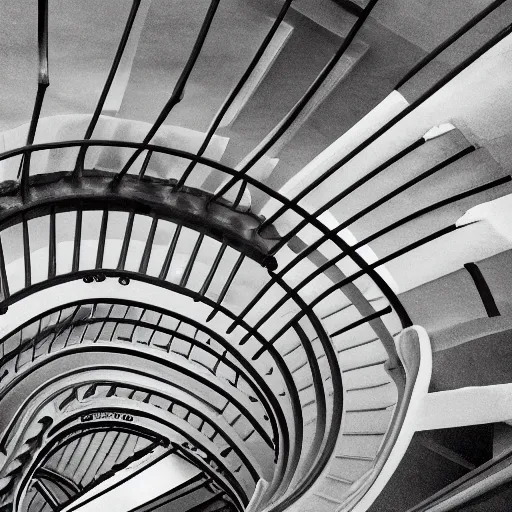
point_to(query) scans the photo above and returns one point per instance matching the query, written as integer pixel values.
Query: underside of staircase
(244, 268)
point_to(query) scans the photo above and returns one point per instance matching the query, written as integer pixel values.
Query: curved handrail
(417, 364)
(290, 204)
(265, 396)
(59, 431)
(292, 393)
(119, 382)
(123, 274)
(325, 455)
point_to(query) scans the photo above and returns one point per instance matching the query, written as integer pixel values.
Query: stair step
(361, 356)
(365, 376)
(371, 398)
(336, 490)
(363, 446)
(321, 504)
(371, 420)
(350, 468)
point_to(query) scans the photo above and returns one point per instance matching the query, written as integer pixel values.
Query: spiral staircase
(239, 308)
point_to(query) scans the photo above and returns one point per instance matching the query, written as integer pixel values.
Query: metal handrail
(323, 436)
(330, 440)
(292, 205)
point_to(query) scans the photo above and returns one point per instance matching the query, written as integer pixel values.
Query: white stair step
(362, 446)
(364, 355)
(371, 398)
(321, 503)
(374, 421)
(336, 489)
(349, 468)
(369, 376)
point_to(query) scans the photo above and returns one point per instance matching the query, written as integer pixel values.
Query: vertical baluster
(26, 253)
(107, 316)
(178, 91)
(56, 332)
(211, 273)
(227, 285)
(77, 241)
(168, 348)
(79, 165)
(170, 253)
(154, 330)
(4, 283)
(192, 259)
(52, 250)
(126, 241)
(145, 164)
(101, 241)
(144, 262)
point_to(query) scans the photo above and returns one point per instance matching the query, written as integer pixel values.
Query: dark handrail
(178, 91)
(47, 494)
(449, 41)
(314, 246)
(351, 188)
(281, 365)
(65, 484)
(69, 419)
(114, 144)
(361, 273)
(144, 414)
(369, 239)
(330, 440)
(79, 165)
(208, 470)
(149, 357)
(48, 450)
(381, 283)
(262, 396)
(202, 416)
(382, 200)
(301, 104)
(226, 346)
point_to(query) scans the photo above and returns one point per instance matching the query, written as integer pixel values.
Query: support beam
(137, 485)
(268, 58)
(342, 68)
(465, 406)
(116, 94)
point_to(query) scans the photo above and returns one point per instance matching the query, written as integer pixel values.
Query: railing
(100, 272)
(213, 217)
(67, 425)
